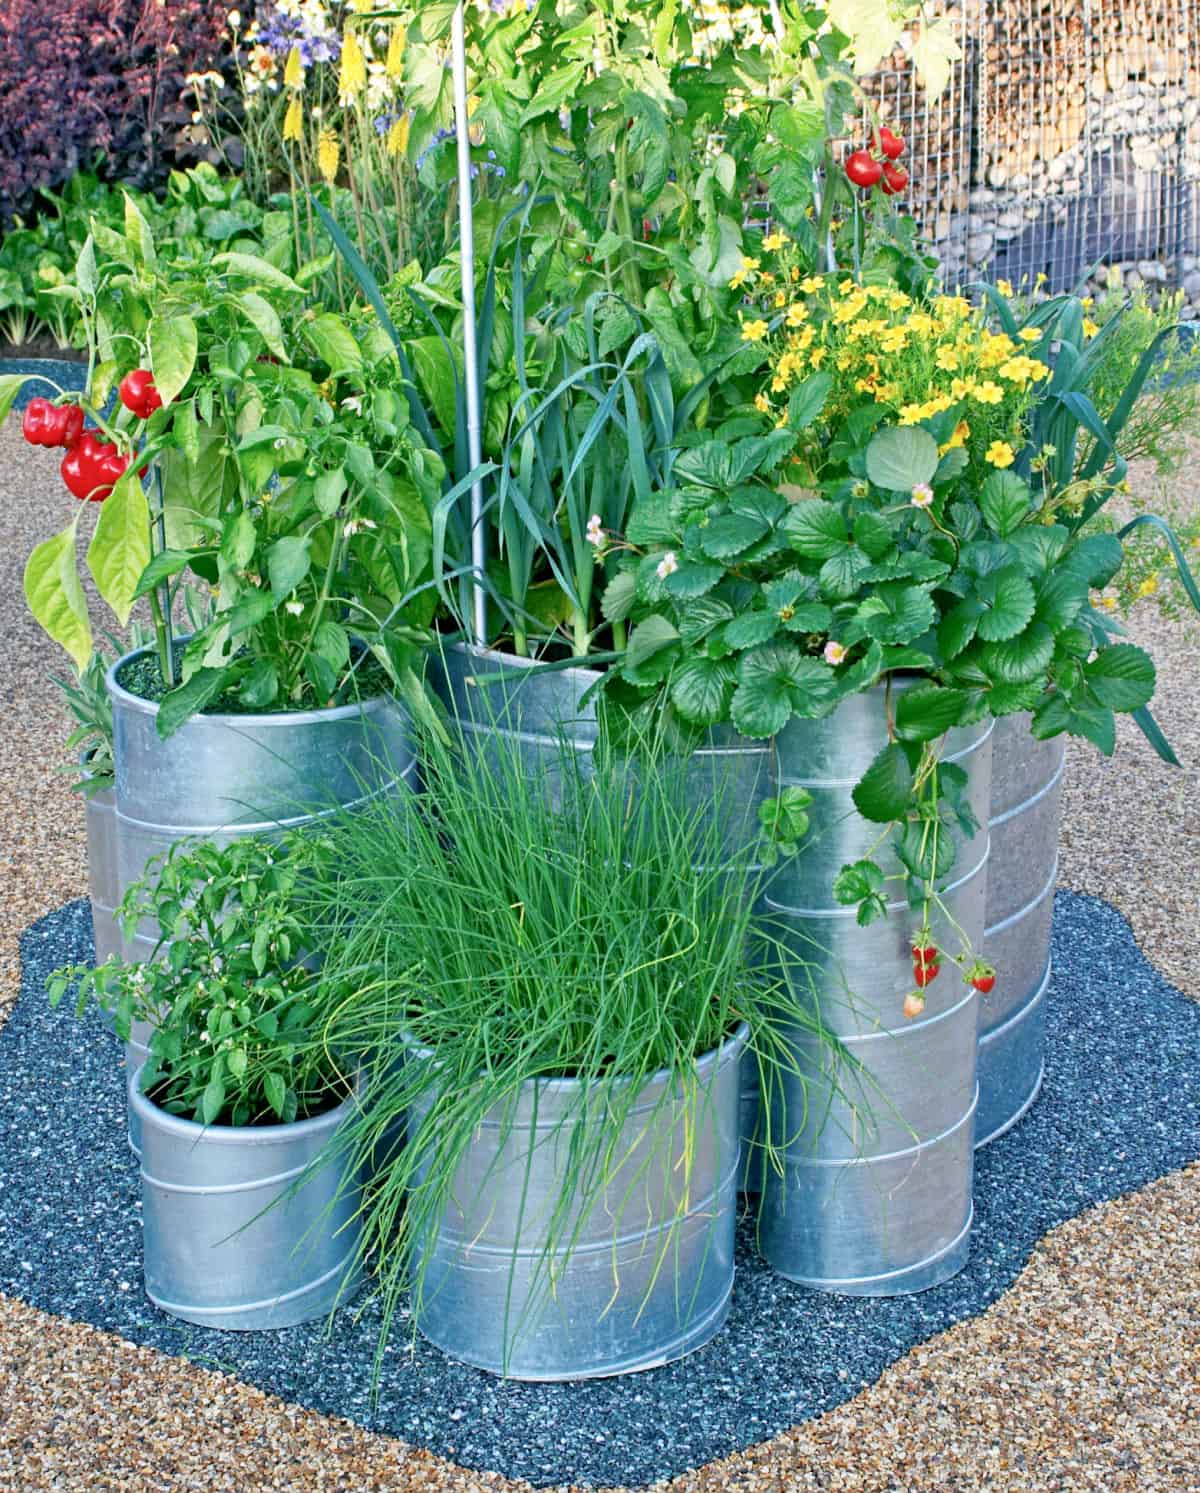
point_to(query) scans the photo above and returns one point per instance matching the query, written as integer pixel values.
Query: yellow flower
(397, 136)
(846, 287)
(762, 404)
(353, 77)
(946, 359)
(1150, 585)
(923, 325)
(988, 392)
(816, 356)
(961, 431)
(910, 414)
(780, 299)
(1041, 277)
(293, 121)
(754, 331)
(1087, 302)
(328, 154)
(795, 272)
(1030, 334)
(767, 277)
(1089, 327)
(775, 241)
(293, 71)
(395, 51)
(849, 308)
(1004, 287)
(963, 388)
(811, 284)
(1000, 454)
(1109, 603)
(797, 314)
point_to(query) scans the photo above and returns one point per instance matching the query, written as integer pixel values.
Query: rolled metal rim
(515, 661)
(236, 719)
(714, 1058)
(147, 1112)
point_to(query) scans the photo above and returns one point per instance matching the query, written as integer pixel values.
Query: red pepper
(46, 424)
(138, 393)
(863, 169)
(92, 468)
(891, 145)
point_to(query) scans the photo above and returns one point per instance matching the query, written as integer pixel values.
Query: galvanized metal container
(649, 1275)
(220, 777)
(875, 1198)
(1027, 778)
(212, 1254)
(103, 881)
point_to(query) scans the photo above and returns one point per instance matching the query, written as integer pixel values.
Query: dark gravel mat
(1121, 1106)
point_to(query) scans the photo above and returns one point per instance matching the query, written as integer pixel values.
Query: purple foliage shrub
(85, 78)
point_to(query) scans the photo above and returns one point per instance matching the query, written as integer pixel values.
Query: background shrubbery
(84, 78)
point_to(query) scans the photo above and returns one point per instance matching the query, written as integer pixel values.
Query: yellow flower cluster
(918, 359)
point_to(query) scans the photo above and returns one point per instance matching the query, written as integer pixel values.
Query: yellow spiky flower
(293, 121)
(395, 51)
(293, 70)
(353, 77)
(328, 154)
(397, 136)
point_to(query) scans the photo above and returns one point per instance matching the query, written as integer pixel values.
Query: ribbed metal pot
(103, 879)
(224, 776)
(649, 1275)
(540, 714)
(1027, 778)
(875, 1198)
(212, 1254)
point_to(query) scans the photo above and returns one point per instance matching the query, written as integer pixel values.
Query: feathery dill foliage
(588, 921)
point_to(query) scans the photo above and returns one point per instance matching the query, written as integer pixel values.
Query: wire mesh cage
(1069, 139)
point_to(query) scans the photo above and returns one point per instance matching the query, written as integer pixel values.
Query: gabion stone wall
(1070, 137)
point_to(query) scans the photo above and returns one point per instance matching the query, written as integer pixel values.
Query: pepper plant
(258, 448)
(237, 1015)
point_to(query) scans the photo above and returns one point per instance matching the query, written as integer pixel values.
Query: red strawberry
(925, 974)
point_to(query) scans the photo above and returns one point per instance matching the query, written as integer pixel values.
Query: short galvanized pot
(877, 1133)
(213, 1256)
(649, 1273)
(505, 702)
(1026, 817)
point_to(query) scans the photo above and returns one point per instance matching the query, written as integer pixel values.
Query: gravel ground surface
(1084, 1375)
(70, 1238)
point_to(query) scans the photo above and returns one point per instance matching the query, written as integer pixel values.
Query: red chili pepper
(138, 393)
(92, 468)
(46, 424)
(891, 145)
(895, 179)
(863, 169)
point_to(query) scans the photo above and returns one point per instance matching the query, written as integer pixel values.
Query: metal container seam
(876, 1160)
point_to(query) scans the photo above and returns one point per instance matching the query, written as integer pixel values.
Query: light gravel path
(1085, 1375)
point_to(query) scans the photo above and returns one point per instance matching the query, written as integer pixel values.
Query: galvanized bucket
(103, 883)
(649, 1275)
(1027, 778)
(223, 776)
(875, 1196)
(213, 1256)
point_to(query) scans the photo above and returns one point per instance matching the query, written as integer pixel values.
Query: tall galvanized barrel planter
(223, 776)
(648, 1275)
(103, 878)
(220, 1247)
(878, 1137)
(1027, 777)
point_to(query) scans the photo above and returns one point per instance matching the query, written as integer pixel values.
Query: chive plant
(590, 921)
